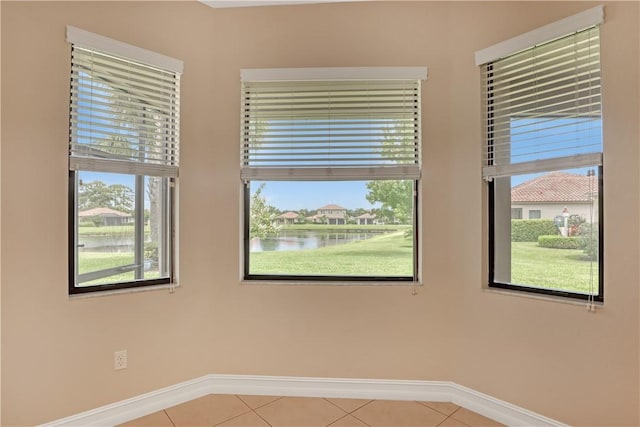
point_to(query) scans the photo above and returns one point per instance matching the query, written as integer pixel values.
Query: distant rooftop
(334, 207)
(554, 187)
(289, 215)
(366, 216)
(103, 212)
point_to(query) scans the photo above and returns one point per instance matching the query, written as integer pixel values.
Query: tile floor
(257, 411)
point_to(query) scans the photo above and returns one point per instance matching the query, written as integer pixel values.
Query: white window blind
(124, 115)
(331, 129)
(543, 107)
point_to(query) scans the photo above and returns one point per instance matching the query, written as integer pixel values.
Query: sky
(529, 140)
(293, 196)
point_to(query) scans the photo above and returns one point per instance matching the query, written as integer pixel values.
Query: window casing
(123, 165)
(317, 133)
(543, 147)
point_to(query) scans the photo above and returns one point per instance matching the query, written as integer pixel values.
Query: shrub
(528, 230)
(97, 220)
(559, 242)
(589, 240)
(574, 222)
(86, 224)
(151, 253)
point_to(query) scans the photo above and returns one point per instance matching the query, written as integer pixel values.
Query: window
(543, 147)
(123, 165)
(535, 214)
(331, 170)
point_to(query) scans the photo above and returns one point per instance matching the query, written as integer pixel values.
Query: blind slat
(330, 129)
(345, 173)
(543, 107)
(124, 116)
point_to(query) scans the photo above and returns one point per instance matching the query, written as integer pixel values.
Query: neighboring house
(330, 214)
(288, 218)
(366, 219)
(109, 216)
(546, 196)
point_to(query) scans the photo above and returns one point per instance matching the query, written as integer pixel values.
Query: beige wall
(57, 353)
(57, 356)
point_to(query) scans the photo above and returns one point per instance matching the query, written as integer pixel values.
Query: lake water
(113, 243)
(295, 240)
(290, 240)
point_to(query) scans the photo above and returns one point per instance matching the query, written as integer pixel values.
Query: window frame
(518, 211)
(162, 163)
(492, 283)
(247, 277)
(538, 213)
(292, 173)
(132, 284)
(492, 168)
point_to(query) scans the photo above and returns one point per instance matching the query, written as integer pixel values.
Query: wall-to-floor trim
(139, 406)
(435, 391)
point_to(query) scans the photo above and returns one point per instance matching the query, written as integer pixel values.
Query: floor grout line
(346, 413)
(167, 415)
(357, 418)
(261, 417)
(342, 409)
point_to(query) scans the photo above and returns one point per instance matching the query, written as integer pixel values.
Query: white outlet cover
(120, 359)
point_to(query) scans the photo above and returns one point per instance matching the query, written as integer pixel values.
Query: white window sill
(327, 283)
(542, 297)
(169, 287)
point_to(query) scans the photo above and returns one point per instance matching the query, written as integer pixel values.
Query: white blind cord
(593, 252)
(591, 306)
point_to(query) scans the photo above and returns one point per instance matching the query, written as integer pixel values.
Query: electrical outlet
(120, 360)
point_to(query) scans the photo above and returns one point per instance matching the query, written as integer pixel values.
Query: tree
(154, 193)
(97, 194)
(262, 217)
(396, 198)
(589, 240)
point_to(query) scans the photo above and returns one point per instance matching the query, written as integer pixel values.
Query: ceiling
(250, 3)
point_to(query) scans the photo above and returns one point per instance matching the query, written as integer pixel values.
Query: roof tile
(554, 187)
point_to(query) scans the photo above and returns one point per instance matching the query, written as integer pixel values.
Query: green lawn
(566, 269)
(96, 261)
(110, 230)
(390, 254)
(346, 228)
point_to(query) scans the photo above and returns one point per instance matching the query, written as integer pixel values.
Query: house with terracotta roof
(108, 216)
(366, 219)
(288, 218)
(546, 196)
(330, 214)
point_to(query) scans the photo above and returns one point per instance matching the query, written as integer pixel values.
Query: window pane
(331, 228)
(557, 247)
(121, 228)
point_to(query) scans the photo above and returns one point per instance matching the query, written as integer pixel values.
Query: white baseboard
(434, 391)
(139, 406)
